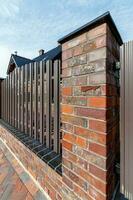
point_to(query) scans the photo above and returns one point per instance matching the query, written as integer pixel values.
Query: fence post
(90, 112)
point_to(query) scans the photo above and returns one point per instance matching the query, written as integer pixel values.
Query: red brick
(74, 42)
(88, 134)
(96, 79)
(97, 102)
(69, 137)
(66, 72)
(67, 54)
(74, 120)
(77, 50)
(67, 91)
(88, 112)
(98, 31)
(69, 156)
(95, 194)
(67, 145)
(67, 163)
(102, 174)
(78, 180)
(81, 142)
(81, 193)
(98, 149)
(67, 181)
(98, 125)
(98, 184)
(94, 44)
(67, 109)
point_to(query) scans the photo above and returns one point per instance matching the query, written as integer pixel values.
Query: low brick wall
(50, 181)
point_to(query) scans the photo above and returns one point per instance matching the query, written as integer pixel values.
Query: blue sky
(29, 25)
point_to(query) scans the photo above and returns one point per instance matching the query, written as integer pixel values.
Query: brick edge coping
(48, 156)
(23, 173)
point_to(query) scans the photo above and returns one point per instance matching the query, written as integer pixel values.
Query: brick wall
(90, 113)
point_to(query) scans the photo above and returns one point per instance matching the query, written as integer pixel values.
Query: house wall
(89, 116)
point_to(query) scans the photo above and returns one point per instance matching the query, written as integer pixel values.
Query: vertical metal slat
(56, 106)
(48, 102)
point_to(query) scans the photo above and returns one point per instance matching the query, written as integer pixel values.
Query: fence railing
(30, 101)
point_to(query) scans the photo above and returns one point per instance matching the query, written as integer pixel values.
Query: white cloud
(80, 2)
(5, 53)
(9, 8)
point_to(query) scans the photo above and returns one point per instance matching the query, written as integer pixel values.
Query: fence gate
(127, 120)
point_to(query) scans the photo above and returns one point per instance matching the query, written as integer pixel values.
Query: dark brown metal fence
(30, 101)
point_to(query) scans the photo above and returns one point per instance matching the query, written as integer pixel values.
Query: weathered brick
(66, 72)
(67, 163)
(81, 142)
(67, 127)
(98, 31)
(90, 135)
(95, 44)
(96, 79)
(77, 60)
(64, 64)
(74, 81)
(89, 156)
(67, 54)
(73, 176)
(81, 101)
(75, 120)
(68, 182)
(97, 54)
(96, 195)
(78, 50)
(91, 67)
(74, 42)
(82, 163)
(88, 112)
(81, 172)
(81, 193)
(69, 156)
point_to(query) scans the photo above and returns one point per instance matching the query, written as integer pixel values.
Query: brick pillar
(1, 79)
(90, 113)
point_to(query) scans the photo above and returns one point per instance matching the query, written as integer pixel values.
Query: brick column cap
(104, 18)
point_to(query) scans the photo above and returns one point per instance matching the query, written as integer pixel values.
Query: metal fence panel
(126, 125)
(30, 101)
